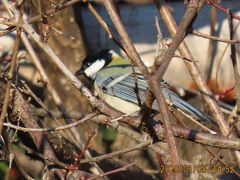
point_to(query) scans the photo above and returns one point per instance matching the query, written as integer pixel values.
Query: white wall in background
(140, 25)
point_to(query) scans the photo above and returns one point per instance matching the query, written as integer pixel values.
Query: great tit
(113, 81)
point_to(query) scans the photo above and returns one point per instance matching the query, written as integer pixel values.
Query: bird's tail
(176, 101)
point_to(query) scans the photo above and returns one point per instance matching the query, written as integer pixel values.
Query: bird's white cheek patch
(92, 70)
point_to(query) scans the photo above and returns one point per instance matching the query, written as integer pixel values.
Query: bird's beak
(79, 72)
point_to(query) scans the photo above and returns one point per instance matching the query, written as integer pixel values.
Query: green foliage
(3, 169)
(109, 135)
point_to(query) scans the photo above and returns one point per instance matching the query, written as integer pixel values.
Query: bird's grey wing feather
(122, 86)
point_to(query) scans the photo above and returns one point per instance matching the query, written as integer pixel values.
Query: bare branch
(234, 60)
(118, 153)
(59, 128)
(11, 73)
(214, 38)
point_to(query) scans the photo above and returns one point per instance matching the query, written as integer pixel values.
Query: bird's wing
(123, 85)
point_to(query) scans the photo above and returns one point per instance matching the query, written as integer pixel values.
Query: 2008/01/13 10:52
(213, 169)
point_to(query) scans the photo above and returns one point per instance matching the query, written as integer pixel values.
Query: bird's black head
(92, 64)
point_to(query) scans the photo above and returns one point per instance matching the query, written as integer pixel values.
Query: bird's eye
(88, 64)
(104, 89)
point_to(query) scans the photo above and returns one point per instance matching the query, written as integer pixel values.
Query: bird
(113, 81)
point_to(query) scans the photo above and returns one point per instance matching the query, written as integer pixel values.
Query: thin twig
(221, 8)
(59, 7)
(211, 45)
(124, 168)
(46, 158)
(118, 153)
(222, 55)
(37, 99)
(6, 31)
(9, 23)
(222, 162)
(196, 122)
(159, 37)
(63, 34)
(59, 128)
(234, 60)
(11, 73)
(214, 38)
(86, 147)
